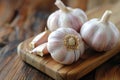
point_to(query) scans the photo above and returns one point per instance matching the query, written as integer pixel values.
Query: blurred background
(22, 19)
(28, 15)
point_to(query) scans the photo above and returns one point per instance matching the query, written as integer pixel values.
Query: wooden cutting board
(89, 61)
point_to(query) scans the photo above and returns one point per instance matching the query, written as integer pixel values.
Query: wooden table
(11, 65)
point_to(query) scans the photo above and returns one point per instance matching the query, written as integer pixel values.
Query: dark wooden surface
(22, 24)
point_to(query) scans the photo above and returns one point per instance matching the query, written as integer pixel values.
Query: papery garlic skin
(39, 39)
(101, 35)
(66, 17)
(40, 50)
(57, 45)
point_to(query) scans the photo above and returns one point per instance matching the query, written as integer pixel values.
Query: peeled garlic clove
(66, 17)
(40, 50)
(101, 35)
(65, 45)
(40, 39)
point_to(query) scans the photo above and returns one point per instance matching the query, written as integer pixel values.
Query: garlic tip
(32, 45)
(40, 54)
(36, 53)
(61, 5)
(108, 11)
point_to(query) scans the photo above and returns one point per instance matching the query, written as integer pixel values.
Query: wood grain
(110, 70)
(65, 72)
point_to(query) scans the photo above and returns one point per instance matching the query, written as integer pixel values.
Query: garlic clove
(39, 39)
(82, 17)
(52, 22)
(63, 56)
(70, 57)
(40, 50)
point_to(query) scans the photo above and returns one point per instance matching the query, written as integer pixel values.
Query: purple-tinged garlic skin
(101, 35)
(39, 50)
(66, 16)
(65, 45)
(39, 39)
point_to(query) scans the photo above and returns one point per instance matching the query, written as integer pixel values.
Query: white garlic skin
(58, 50)
(101, 36)
(72, 18)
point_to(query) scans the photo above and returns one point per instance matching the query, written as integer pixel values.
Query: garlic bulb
(65, 45)
(66, 16)
(101, 35)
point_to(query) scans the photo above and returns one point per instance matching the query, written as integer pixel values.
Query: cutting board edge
(58, 75)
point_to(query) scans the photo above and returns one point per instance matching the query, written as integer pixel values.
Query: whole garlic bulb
(65, 45)
(101, 35)
(66, 16)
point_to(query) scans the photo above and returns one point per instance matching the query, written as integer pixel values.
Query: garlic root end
(71, 41)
